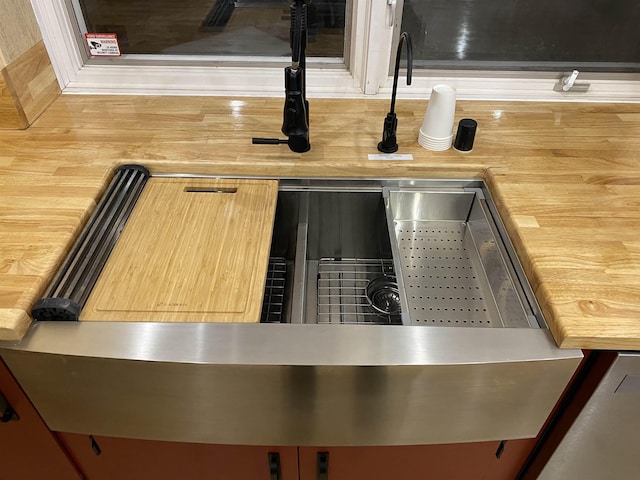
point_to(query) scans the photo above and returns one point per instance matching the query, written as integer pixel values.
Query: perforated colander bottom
(441, 285)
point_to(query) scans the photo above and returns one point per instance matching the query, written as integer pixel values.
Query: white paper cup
(441, 110)
(435, 144)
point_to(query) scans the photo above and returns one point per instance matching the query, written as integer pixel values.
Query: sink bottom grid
(341, 290)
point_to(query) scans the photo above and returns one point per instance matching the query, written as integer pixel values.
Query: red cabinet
(28, 450)
(486, 460)
(102, 458)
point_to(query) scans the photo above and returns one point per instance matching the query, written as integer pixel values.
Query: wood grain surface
(32, 82)
(9, 112)
(19, 32)
(565, 176)
(194, 250)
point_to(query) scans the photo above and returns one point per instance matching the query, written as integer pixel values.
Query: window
(214, 27)
(487, 49)
(590, 35)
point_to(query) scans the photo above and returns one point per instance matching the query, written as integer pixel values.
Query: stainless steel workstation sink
(395, 312)
(438, 247)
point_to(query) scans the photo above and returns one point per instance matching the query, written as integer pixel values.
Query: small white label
(390, 156)
(102, 44)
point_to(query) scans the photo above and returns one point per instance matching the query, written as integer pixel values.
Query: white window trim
(59, 39)
(370, 56)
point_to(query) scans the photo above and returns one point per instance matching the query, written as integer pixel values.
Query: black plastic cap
(465, 135)
(56, 309)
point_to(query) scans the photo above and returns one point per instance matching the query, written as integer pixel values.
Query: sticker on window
(103, 44)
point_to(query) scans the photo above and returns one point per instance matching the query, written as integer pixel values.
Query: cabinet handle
(323, 466)
(500, 450)
(94, 446)
(275, 472)
(7, 413)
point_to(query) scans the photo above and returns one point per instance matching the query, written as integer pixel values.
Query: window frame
(365, 73)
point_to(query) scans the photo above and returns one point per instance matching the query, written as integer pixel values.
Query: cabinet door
(485, 460)
(122, 459)
(28, 450)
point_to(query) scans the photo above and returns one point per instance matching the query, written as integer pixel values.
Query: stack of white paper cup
(436, 132)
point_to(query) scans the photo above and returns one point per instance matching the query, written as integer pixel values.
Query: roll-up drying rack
(67, 294)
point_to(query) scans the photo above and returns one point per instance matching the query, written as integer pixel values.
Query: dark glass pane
(215, 27)
(526, 34)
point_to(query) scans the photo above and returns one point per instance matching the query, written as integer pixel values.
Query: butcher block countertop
(565, 177)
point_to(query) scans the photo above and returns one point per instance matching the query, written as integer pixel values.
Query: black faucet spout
(389, 143)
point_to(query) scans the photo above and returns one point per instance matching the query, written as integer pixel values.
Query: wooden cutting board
(193, 250)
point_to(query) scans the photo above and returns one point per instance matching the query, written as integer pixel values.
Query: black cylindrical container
(465, 135)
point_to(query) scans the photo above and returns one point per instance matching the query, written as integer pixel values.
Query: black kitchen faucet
(389, 143)
(295, 124)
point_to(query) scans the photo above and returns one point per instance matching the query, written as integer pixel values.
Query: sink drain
(383, 295)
